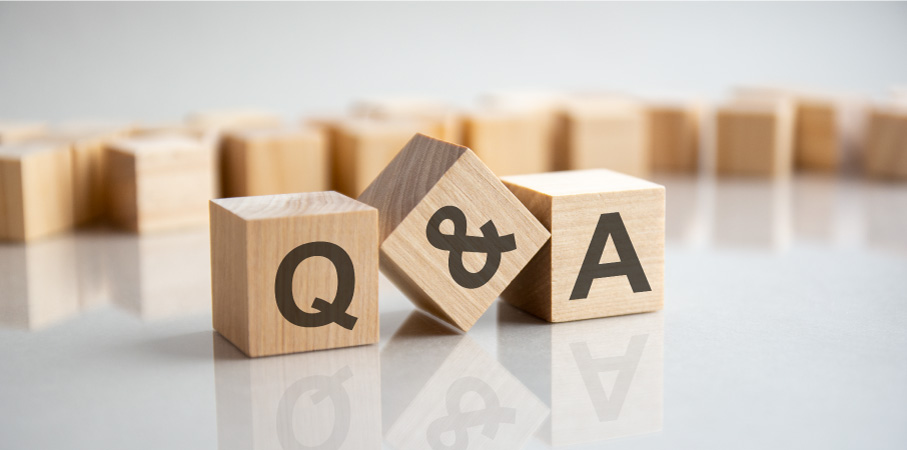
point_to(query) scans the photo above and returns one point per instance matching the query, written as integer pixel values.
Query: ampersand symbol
(491, 243)
(334, 312)
(458, 422)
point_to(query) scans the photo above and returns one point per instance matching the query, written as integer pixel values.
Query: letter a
(610, 224)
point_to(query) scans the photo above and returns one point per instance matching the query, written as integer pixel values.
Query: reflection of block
(606, 254)
(432, 200)
(39, 282)
(159, 182)
(329, 400)
(754, 139)
(602, 379)
(458, 396)
(12, 132)
(673, 137)
(606, 133)
(35, 189)
(509, 142)
(886, 142)
(271, 296)
(752, 213)
(274, 161)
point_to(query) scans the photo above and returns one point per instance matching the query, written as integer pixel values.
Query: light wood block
(674, 136)
(235, 118)
(159, 182)
(754, 138)
(606, 254)
(439, 119)
(14, 132)
(885, 153)
(259, 243)
(35, 189)
(275, 161)
(508, 142)
(605, 133)
(437, 200)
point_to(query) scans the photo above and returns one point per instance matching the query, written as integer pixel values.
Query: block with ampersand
(35, 189)
(294, 272)
(606, 254)
(754, 138)
(453, 237)
(274, 161)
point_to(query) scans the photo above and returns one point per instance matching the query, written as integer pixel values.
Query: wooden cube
(674, 136)
(605, 133)
(602, 379)
(453, 237)
(509, 142)
(13, 132)
(35, 189)
(436, 405)
(259, 243)
(274, 161)
(235, 118)
(885, 153)
(159, 182)
(606, 254)
(440, 120)
(754, 138)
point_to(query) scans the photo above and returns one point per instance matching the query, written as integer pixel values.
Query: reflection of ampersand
(325, 388)
(458, 422)
(334, 312)
(491, 243)
(608, 408)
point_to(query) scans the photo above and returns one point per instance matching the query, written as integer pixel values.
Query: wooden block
(159, 182)
(439, 119)
(602, 379)
(605, 133)
(35, 189)
(231, 119)
(259, 243)
(453, 237)
(547, 108)
(674, 136)
(606, 254)
(449, 393)
(327, 400)
(754, 138)
(13, 132)
(885, 153)
(509, 142)
(275, 161)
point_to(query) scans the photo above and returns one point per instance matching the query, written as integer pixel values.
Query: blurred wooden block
(259, 243)
(886, 142)
(754, 138)
(674, 136)
(35, 189)
(230, 119)
(275, 161)
(508, 142)
(13, 132)
(159, 182)
(606, 254)
(605, 133)
(439, 119)
(453, 237)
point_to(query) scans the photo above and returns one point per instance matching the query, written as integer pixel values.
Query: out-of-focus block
(605, 133)
(453, 237)
(674, 136)
(885, 153)
(606, 254)
(509, 143)
(754, 138)
(275, 161)
(237, 118)
(13, 132)
(259, 243)
(159, 182)
(35, 189)
(439, 119)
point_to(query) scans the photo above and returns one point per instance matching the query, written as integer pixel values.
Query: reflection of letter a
(608, 408)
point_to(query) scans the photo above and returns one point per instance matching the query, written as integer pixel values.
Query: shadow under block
(159, 182)
(674, 137)
(453, 237)
(270, 296)
(754, 139)
(605, 134)
(274, 161)
(606, 253)
(885, 154)
(509, 143)
(14, 132)
(35, 189)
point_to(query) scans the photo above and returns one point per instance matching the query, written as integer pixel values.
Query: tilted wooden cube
(453, 237)
(674, 136)
(606, 254)
(754, 138)
(159, 182)
(509, 142)
(35, 189)
(274, 161)
(605, 133)
(294, 272)
(885, 153)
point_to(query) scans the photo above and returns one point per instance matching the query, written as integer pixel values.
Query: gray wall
(157, 61)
